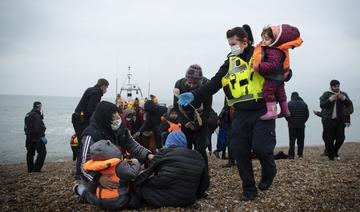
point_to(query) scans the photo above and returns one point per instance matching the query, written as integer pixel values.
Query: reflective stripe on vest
(241, 83)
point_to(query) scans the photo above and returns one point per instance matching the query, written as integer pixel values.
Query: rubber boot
(271, 111)
(284, 110)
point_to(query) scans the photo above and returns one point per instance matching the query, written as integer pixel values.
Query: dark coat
(34, 126)
(206, 101)
(343, 108)
(88, 102)
(121, 138)
(299, 112)
(177, 177)
(153, 113)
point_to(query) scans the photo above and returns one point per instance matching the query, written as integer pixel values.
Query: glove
(185, 99)
(44, 140)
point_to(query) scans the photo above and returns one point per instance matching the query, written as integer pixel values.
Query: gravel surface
(311, 184)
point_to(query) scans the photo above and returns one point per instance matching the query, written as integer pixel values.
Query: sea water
(57, 118)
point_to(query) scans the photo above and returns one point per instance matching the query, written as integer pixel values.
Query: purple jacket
(272, 60)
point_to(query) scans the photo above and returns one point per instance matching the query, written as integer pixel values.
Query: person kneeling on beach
(176, 178)
(106, 159)
(106, 124)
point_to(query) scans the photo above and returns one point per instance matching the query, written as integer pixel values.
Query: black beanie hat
(36, 104)
(334, 82)
(103, 114)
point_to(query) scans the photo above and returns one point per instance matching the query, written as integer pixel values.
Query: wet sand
(313, 183)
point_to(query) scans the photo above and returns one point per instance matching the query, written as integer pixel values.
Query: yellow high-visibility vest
(241, 83)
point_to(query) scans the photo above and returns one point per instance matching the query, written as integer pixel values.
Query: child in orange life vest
(105, 158)
(169, 124)
(271, 60)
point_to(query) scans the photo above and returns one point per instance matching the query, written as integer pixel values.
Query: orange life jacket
(258, 53)
(105, 167)
(174, 127)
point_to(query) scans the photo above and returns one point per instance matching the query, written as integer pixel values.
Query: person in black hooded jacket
(177, 176)
(84, 110)
(106, 125)
(299, 114)
(35, 138)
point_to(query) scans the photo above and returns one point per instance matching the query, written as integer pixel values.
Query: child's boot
(284, 110)
(271, 111)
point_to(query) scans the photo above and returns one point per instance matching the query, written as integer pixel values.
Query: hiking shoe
(264, 186)
(248, 197)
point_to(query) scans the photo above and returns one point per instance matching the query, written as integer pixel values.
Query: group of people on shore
(113, 140)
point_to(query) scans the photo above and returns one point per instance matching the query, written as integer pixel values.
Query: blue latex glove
(185, 99)
(44, 140)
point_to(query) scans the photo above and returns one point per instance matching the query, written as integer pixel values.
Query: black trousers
(32, 146)
(333, 135)
(298, 135)
(198, 139)
(248, 133)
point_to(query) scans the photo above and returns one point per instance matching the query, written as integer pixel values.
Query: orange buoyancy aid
(259, 54)
(174, 127)
(105, 167)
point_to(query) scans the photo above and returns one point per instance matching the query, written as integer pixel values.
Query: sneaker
(75, 189)
(337, 158)
(301, 157)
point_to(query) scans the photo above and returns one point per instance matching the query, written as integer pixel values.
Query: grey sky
(60, 48)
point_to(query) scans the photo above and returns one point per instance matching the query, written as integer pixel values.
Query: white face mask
(236, 50)
(115, 124)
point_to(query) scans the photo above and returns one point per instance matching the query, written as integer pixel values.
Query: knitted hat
(194, 72)
(176, 139)
(36, 104)
(334, 82)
